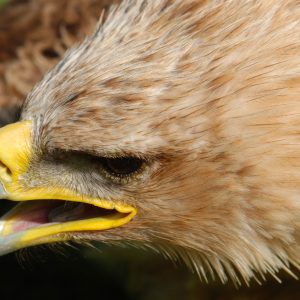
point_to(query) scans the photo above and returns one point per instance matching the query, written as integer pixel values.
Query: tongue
(29, 214)
(35, 213)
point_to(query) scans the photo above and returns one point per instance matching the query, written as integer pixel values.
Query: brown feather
(208, 92)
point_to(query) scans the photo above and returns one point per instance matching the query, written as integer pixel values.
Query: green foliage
(2, 2)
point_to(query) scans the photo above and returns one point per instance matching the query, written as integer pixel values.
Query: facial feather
(207, 91)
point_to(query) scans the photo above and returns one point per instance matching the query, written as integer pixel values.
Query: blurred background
(34, 35)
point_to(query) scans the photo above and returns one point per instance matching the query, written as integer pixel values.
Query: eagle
(174, 126)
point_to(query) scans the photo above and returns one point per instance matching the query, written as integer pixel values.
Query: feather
(207, 92)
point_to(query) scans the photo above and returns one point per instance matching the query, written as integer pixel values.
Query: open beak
(57, 212)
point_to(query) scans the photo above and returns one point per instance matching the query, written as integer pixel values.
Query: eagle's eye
(122, 166)
(116, 169)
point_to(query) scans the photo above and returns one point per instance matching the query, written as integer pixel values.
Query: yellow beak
(28, 223)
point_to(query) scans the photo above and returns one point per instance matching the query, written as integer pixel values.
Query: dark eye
(122, 166)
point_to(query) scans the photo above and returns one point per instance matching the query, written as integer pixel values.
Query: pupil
(123, 166)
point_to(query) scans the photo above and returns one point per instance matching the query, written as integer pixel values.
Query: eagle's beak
(46, 219)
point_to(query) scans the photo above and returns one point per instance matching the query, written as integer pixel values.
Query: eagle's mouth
(32, 214)
(43, 221)
(46, 214)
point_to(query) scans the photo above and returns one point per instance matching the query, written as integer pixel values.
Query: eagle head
(175, 126)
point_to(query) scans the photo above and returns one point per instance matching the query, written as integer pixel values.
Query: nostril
(5, 172)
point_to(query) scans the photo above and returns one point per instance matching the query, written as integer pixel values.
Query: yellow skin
(15, 154)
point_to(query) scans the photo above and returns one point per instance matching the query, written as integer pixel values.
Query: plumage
(34, 36)
(206, 93)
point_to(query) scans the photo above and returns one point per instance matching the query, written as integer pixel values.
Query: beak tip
(8, 244)
(3, 193)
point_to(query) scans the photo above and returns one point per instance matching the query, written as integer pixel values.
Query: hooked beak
(46, 219)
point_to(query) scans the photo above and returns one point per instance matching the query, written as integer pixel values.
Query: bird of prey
(174, 126)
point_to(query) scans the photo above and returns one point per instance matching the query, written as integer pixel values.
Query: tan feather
(208, 92)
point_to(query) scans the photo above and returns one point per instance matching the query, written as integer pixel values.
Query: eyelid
(124, 178)
(98, 162)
